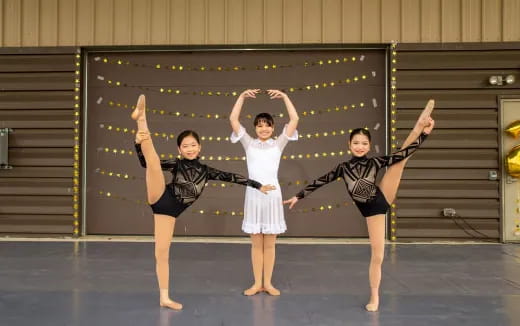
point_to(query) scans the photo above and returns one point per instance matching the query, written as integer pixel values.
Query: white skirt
(263, 213)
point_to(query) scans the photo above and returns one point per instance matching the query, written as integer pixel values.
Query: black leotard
(189, 179)
(359, 174)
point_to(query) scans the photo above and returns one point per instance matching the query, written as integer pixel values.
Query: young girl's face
(263, 130)
(190, 148)
(359, 145)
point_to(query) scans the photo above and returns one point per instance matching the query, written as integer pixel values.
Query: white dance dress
(263, 213)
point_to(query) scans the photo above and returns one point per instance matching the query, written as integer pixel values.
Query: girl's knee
(377, 258)
(162, 254)
(269, 245)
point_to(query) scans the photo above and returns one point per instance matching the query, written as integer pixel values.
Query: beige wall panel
(141, 21)
(511, 22)
(451, 25)
(293, 21)
(332, 27)
(390, 20)
(122, 22)
(235, 21)
(254, 26)
(178, 23)
(12, 23)
(410, 21)
(471, 20)
(30, 22)
(48, 22)
(352, 21)
(85, 20)
(273, 19)
(104, 23)
(430, 20)
(196, 22)
(312, 17)
(491, 20)
(216, 27)
(371, 21)
(66, 22)
(160, 23)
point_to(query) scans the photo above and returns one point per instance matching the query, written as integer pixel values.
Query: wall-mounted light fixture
(501, 80)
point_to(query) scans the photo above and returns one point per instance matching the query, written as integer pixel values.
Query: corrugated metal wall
(452, 169)
(140, 22)
(36, 101)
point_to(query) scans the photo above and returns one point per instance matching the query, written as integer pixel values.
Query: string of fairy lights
(176, 67)
(216, 116)
(166, 135)
(77, 144)
(125, 176)
(178, 91)
(393, 118)
(315, 155)
(223, 212)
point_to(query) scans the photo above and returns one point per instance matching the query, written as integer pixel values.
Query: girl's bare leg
(155, 183)
(376, 224)
(164, 226)
(376, 233)
(269, 260)
(257, 260)
(392, 178)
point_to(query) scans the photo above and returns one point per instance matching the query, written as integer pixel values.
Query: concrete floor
(113, 283)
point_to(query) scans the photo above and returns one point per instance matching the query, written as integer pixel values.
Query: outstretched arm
(235, 113)
(321, 181)
(215, 174)
(291, 110)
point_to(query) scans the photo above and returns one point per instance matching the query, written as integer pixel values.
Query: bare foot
(171, 304)
(373, 304)
(139, 111)
(253, 290)
(271, 290)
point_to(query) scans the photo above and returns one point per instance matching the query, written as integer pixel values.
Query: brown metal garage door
(333, 90)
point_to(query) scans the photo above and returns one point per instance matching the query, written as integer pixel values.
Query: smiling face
(264, 131)
(189, 148)
(359, 145)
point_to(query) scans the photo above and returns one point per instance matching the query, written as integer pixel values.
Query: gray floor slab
(113, 283)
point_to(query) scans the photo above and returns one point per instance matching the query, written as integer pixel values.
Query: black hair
(360, 131)
(185, 134)
(264, 117)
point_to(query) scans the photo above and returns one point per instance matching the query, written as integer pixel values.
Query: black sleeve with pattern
(215, 174)
(321, 181)
(401, 154)
(166, 165)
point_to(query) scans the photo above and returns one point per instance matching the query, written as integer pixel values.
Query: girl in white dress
(263, 214)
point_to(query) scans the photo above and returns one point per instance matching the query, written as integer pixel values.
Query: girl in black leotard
(169, 201)
(359, 174)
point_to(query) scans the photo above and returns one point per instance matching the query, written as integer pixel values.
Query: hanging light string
(217, 116)
(224, 212)
(76, 202)
(178, 91)
(393, 108)
(165, 135)
(177, 67)
(119, 151)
